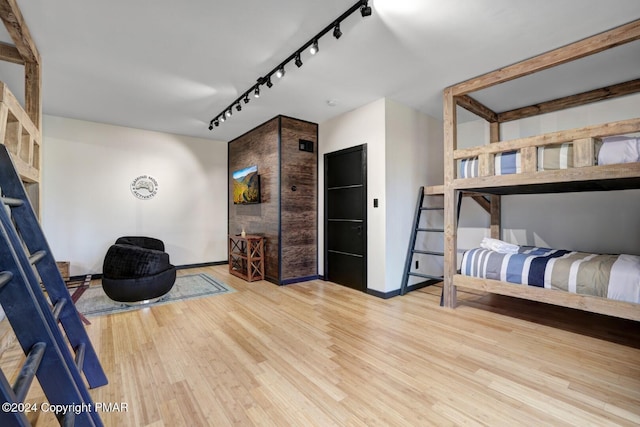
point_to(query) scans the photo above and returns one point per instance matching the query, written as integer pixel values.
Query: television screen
(246, 186)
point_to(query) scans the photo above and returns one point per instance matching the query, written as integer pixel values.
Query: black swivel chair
(137, 269)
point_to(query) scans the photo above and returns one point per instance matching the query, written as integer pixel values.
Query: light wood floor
(318, 354)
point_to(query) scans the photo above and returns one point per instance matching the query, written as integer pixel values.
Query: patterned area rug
(94, 302)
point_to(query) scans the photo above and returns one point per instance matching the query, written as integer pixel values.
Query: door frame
(363, 149)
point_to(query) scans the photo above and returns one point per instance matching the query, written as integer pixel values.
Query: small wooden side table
(246, 257)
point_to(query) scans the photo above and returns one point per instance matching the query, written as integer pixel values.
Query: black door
(345, 198)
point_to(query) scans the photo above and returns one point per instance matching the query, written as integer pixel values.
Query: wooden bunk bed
(584, 175)
(20, 128)
(40, 314)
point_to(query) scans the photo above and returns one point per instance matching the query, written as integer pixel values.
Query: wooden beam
(585, 47)
(623, 309)
(18, 30)
(619, 176)
(450, 226)
(484, 203)
(20, 135)
(595, 95)
(480, 110)
(7, 98)
(494, 132)
(584, 152)
(496, 217)
(434, 190)
(9, 53)
(4, 115)
(33, 92)
(595, 131)
(486, 164)
(495, 206)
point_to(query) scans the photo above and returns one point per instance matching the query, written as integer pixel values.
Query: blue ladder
(35, 320)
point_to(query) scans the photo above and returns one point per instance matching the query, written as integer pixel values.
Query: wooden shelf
(246, 257)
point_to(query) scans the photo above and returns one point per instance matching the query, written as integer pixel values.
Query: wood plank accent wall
(258, 147)
(299, 208)
(287, 219)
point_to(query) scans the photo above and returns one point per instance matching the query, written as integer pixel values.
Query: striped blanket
(608, 276)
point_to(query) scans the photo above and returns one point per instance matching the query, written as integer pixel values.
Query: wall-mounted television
(246, 186)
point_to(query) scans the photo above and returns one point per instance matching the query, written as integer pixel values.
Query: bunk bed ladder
(420, 208)
(26, 263)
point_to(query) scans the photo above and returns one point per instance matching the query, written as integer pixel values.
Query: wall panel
(287, 217)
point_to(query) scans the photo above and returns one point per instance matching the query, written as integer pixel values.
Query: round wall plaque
(144, 187)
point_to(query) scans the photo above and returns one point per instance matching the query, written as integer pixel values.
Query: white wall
(601, 222)
(87, 202)
(365, 125)
(404, 152)
(414, 153)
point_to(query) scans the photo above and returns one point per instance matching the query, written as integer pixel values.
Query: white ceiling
(171, 66)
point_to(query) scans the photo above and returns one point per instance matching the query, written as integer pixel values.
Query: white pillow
(619, 149)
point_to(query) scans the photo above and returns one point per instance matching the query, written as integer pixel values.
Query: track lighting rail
(279, 70)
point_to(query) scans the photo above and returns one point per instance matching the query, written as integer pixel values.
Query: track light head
(222, 119)
(314, 48)
(336, 31)
(298, 61)
(217, 123)
(365, 9)
(210, 126)
(238, 107)
(246, 99)
(269, 84)
(280, 72)
(256, 93)
(229, 112)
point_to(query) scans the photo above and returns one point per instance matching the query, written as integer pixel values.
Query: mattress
(612, 150)
(609, 276)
